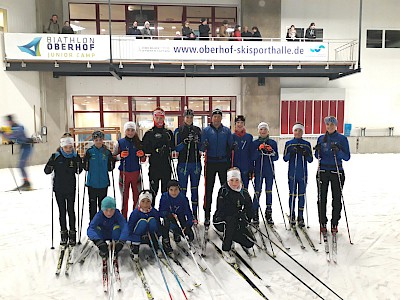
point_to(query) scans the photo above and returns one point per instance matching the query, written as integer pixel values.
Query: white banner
(127, 48)
(56, 47)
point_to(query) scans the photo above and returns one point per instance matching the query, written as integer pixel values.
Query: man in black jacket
(204, 29)
(158, 143)
(134, 30)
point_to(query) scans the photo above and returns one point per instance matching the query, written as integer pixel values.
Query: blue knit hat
(331, 119)
(108, 202)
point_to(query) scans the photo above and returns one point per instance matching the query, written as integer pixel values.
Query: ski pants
(66, 203)
(268, 191)
(297, 188)
(233, 231)
(193, 170)
(323, 183)
(110, 236)
(142, 227)
(163, 174)
(95, 198)
(212, 168)
(129, 180)
(26, 150)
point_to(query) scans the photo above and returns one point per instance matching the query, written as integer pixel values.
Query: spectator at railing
(186, 30)
(291, 35)
(310, 32)
(192, 36)
(236, 35)
(204, 29)
(246, 34)
(67, 29)
(178, 36)
(134, 30)
(256, 34)
(53, 26)
(223, 33)
(147, 32)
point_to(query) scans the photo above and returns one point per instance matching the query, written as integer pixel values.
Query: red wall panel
(317, 117)
(332, 108)
(340, 116)
(292, 114)
(300, 111)
(284, 117)
(309, 117)
(324, 113)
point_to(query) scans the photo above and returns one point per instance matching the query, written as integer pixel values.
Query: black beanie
(172, 182)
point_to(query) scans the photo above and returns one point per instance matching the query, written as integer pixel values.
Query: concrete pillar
(262, 103)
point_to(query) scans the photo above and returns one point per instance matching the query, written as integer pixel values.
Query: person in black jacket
(186, 30)
(65, 163)
(234, 212)
(67, 29)
(134, 30)
(158, 143)
(256, 34)
(310, 32)
(204, 29)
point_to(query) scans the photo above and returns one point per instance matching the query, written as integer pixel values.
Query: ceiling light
(241, 67)
(151, 66)
(103, 30)
(182, 66)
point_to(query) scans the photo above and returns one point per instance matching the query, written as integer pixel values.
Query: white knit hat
(145, 195)
(128, 125)
(298, 126)
(233, 173)
(263, 125)
(66, 141)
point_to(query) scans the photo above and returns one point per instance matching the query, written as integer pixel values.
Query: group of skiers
(237, 157)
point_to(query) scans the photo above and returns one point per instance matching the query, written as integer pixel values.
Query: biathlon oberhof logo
(32, 47)
(318, 49)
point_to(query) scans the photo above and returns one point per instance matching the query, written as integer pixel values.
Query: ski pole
(294, 188)
(52, 217)
(159, 265)
(79, 236)
(299, 264)
(277, 191)
(113, 183)
(319, 191)
(83, 205)
(13, 176)
(341, 197)
(305, 188)
(187, 158)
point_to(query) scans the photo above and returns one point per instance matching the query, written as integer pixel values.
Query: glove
(304, 152)
(171, 218)
(186, 141)
(317, 147)
(269, 148)
(335, 148)
(118, 246)
(161, 149)
(103, 247)
(206, 144)
(261, 147)
(251, 175)
(124, 154)
(139, 153)
(234, 146)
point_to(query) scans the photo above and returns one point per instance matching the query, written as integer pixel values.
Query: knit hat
(108, 202)
(145, 194)
(97, 135)
(188, 112)
(331, 119)
(129, 125)
(217, 111)
(65, 141)
(233, 173)
(203, 19)
(9, 118)
(298, 126)
(172, 182)
(263, 125)
(240, 118)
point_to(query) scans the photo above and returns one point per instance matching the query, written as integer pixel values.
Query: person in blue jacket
(187, 143)
(242, 154)
(265, 152)
(107, 225)
(98, 161)
(16, 133)
(217, 144)
(174, 208)
(143, 219)
(298, 153)
(331, 149)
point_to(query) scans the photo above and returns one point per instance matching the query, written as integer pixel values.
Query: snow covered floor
(369, 269)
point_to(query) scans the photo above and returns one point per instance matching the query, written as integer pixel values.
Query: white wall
(20, 90)
(372, 96)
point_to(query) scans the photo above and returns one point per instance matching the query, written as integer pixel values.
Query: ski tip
(303, 247)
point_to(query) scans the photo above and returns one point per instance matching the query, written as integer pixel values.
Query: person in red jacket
(237, 35)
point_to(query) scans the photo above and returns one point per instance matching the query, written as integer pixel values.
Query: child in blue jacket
(98, 161)
(144, 219)
(298, 153)
(174, 208)
(265, 152)
(107, 225)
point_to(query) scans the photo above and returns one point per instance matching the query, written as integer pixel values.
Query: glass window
(226, 120)
(117, 12)
(115, 120)
(116, 28)
(392, 38)
(144, 103)
(169, 29)
(141, 13)
(170, 13)
(224, 103)
(171, 122)
(374, 38)
(84, 27)
(115, 104)
(87, 103)
(144, 122)
(198, 103)
(82, 11)
(3, 20)
(87, 120)
(198, 12)
(170, 103)
(225, 13)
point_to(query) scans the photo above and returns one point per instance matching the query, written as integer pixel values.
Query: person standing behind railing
(291, 35)
(236, 35)
(223, 31)
(67, 29)
(186, 30)
(256, 34)
(310, 32)
(147, 32)
(246, 34)
(53, 26)
(134, 30)
(204, 29)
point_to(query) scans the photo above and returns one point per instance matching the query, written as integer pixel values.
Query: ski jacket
(179, 206)
(242, 158)
(101, 223)
(297, 168)
(204, 30)
(135, 217)
(187, 139)
(218, 143)
(158, 142)
(233, 204)
(326, 142)
(134, 31)
(64, 180)
(17, 135)
(258, 157)
(131, 162)
(98, 162)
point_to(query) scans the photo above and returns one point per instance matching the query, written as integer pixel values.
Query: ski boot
(292, 220)
(167, 246)
(322, 229)
(177, 238)
(268, 216)
(334, 229)
(72, 238)
(135, 252)
(300, 221)
(228, 257)
(64, 237)
(256, 220)
(207, 222)
(26, 186)
(190, 235)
